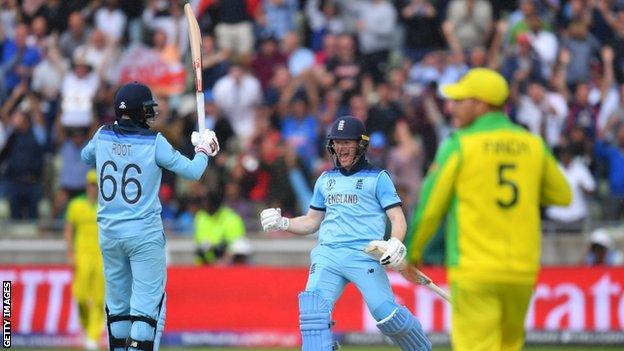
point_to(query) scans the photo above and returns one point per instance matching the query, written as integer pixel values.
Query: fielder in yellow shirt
(83, 251)
(490, 177)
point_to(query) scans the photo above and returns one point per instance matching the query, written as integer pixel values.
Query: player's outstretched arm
(169, 158)
(309, 223)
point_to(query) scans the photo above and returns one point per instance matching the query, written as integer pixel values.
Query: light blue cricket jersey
(128, 160)
(355, 204)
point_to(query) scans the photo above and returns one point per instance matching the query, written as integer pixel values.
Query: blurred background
(276, 74)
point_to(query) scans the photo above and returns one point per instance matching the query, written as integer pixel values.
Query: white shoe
(91, 345)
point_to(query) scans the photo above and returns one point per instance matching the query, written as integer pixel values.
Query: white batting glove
(395, 253)
(205, 142)
(271, 219)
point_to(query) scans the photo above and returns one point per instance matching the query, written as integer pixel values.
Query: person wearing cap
(602, 251)
(83, 253)
(129, 158)
(349, 207)
(491, 177)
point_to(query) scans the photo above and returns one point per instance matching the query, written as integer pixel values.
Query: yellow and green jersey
(82, 215)
(491, 178)
(224, 226)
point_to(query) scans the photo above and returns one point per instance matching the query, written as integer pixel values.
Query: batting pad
(314, 322)
(405, 330)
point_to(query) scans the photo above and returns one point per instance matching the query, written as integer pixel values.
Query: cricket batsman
(349, 208)
(129, 158)
(83, 252)
(490, 176)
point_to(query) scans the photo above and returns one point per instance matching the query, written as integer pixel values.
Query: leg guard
(314, 322)
(146, 332)
(142, 334)
(118, 331)
(405, 330)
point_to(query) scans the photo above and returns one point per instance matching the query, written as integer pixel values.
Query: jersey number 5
(125, 180)
(503, 181)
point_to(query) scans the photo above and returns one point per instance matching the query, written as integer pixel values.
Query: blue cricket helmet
(136, 101)
(348, 128)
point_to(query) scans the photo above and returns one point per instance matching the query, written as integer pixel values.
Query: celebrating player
(129, 157)
(491, 176)
(348, 208)
(81, 237)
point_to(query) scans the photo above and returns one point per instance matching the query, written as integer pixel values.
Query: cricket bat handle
(201, 113)
(412, 274)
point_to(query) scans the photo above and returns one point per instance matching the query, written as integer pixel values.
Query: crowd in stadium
(277, 73)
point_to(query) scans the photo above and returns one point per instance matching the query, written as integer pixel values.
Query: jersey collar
(359, 165)
(494, 118)
(131, 126)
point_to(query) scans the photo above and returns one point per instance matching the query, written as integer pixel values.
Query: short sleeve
(318, 199)
(386, 192)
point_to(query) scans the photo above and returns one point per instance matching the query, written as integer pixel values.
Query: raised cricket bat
(413, 275)
(195, 40)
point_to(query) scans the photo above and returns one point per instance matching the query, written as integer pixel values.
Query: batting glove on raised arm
(395, 252)
(271, 219)
(205, 142)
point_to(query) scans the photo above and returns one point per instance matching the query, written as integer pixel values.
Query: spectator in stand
(300, 58)
(216, 122)
(47, 80)
(328, 51)
(168, 50)
(266, 59)
(218, 229)
(99, 52)
(521, 61)
(540, 110)
(570, 218)
(383, 115)
(323, 19)
(468, 23)
(574, 10)
(358, 108)
(343, 71)
(55, 13)
(300, 130)
(422, 28)
(614, 118)
(601, 250)
(617, 42)
(378, 150)
(237, 94)
(405, 164)
(376, 28)
(583, 47)
(544, 42)
(73, 172)
(77, 34)
(235, 30)
(613, 157)
(277, 17)
(111, 20)
(9, 16)
(22, 154)
(279, 83)
(38, 32)
(215, 62)
(167, 17)
(78, 91)
(17, 61)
